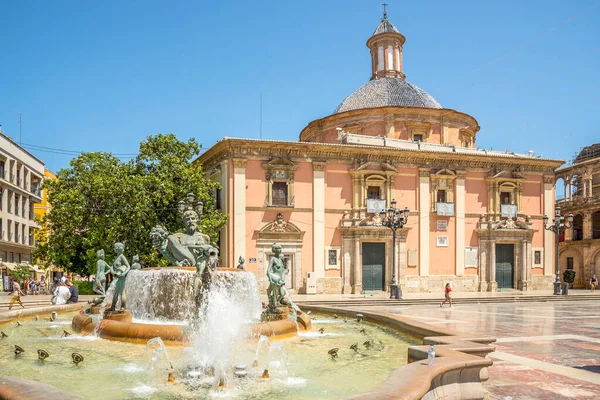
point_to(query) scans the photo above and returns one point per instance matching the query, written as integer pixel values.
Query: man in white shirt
(61, 294)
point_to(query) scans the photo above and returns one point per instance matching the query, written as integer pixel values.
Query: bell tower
(386, 49)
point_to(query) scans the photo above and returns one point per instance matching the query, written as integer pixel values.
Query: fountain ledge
(119, 326)
(461, 364)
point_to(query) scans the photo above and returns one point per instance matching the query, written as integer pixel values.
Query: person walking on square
(16, 294)
(593, 283)
(447, 295)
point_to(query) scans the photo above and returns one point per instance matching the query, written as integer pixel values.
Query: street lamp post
(557, 226)
(394, 219)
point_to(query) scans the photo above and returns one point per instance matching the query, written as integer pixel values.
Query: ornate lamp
(394, 219)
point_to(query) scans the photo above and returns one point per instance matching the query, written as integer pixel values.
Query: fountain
(175, 303)
(233, 346)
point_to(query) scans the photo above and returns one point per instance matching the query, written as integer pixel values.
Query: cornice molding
(241, 150)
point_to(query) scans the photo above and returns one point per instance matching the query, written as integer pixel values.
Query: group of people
(64, 291)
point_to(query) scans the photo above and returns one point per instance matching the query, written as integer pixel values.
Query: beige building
(21, 176)
(580, 245)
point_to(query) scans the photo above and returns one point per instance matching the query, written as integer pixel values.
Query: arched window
(596, 225)
(578, 227)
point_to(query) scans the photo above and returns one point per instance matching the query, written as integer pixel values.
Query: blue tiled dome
(387, 91)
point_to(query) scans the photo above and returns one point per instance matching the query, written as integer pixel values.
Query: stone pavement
(545, 350)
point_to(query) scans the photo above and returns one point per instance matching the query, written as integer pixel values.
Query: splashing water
(161, 294)
(107, 297)
(159, 364)
(229, 307)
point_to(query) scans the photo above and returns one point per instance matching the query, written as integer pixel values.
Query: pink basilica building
(475, 219)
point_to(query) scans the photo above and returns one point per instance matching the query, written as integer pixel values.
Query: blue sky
(101, 76)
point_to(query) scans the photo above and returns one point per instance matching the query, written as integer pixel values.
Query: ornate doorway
(505, 265)
(373, 263)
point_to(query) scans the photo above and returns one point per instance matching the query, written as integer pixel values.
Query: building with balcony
(21, 176)
(476, 216)
(580, 245)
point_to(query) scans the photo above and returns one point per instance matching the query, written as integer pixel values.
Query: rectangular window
(569, 262)
(332, 257)
(390, 58)
(505, 198)
(218, 199)
(537, 257)
(373, 192)
(418, 138)
(280, 197)
(441, 196)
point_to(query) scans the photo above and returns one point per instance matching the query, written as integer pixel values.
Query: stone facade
(580, 245)
(21, 176)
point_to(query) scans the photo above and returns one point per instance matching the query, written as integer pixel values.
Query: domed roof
(387, 91)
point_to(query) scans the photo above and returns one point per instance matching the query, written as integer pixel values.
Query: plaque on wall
(445, 209)
(442, 225)
(470, 256)
(412, 257)
(375, 206)
(442, 241)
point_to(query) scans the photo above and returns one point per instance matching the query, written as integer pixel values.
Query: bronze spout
(3, 335)
(65, 334)
(77, 358)
(42, 354)
(18, 350)
(19, 323)
(171, 378)
(354, 346)
(265, 374)
(322, 330)
(333, 352)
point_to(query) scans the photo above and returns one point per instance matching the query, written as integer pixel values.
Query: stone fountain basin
(120, 326)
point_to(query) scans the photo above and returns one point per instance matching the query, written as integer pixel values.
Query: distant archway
(596, 225)
(578, 227)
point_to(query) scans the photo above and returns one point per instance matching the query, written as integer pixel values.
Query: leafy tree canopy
(100, 200)
(20, 272)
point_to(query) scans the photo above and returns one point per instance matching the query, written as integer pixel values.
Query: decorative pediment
(375, 166)
(508, 175)
(280, 229)
(276, 162)
(445, 173)
(280, 168)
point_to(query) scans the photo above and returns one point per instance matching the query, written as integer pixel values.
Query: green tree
(101, 200)
(20, 272)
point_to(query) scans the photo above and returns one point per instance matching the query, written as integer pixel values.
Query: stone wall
(436, 283)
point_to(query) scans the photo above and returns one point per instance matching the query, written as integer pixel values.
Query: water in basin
(299, 367)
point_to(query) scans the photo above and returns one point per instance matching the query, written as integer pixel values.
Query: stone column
(483, 265)
(224, 232)
(587, 224)
(319, 219)
(424, 205)
(459, 204)
(239, 208)
(346, 260)
(549, 236)
(493, 285)
(357, 278)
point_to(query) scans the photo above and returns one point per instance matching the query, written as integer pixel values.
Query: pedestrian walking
(447, 295)
(16, 294)
(593, 283)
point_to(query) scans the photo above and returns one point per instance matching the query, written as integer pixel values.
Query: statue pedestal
(281, 314)
(121, 316)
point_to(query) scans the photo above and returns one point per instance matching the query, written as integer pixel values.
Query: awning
(8, 265)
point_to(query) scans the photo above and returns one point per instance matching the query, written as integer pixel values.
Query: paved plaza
(544, 350)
